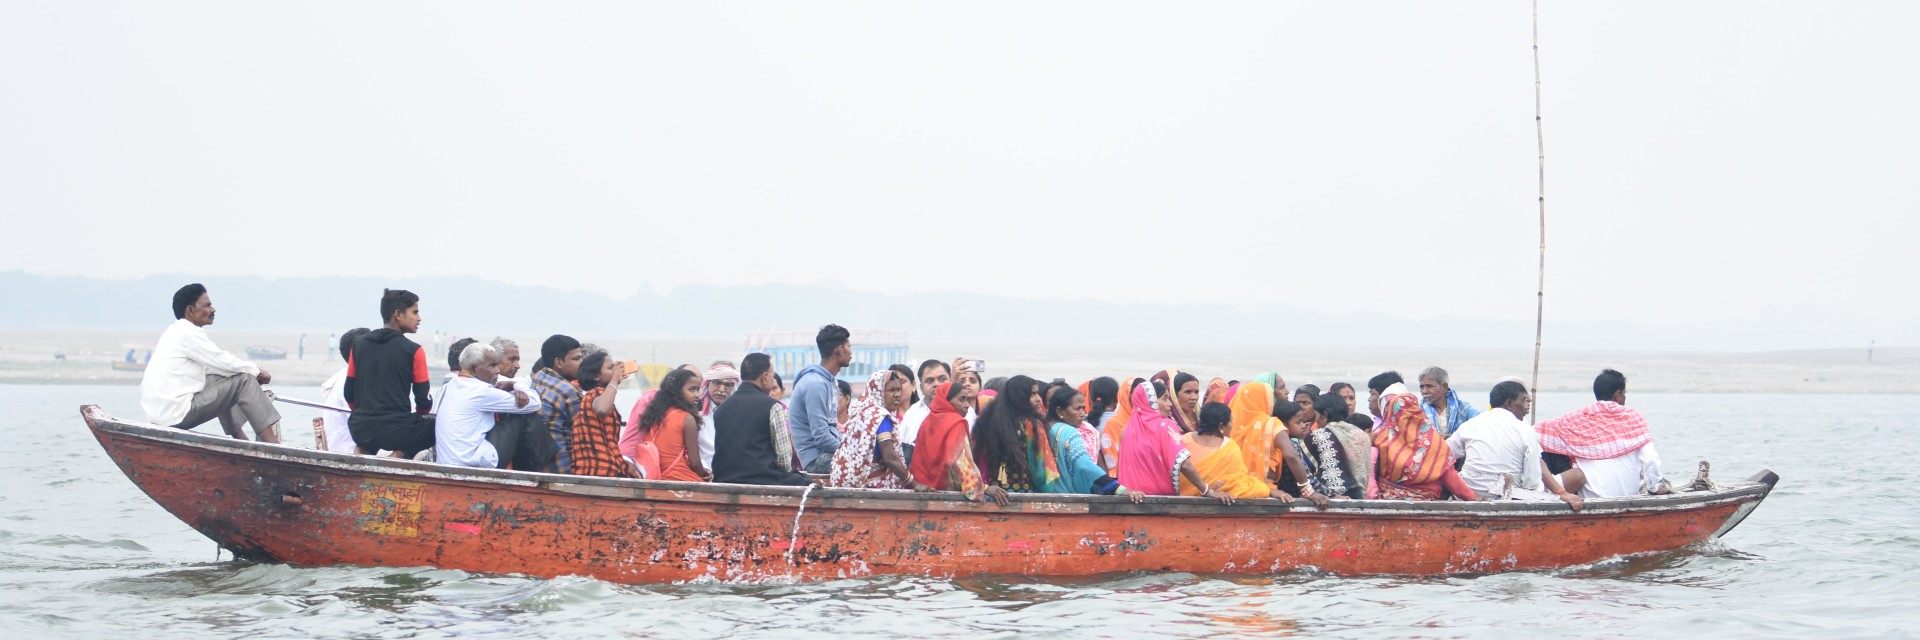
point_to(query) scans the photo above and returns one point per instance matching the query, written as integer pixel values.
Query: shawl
(717, 372)
(1270, 378)
(1344, 455)
(1111, 432)
(942, 440)
(854, 463)
(1151, 454)
(1254, 427)
(1216, 391)
(1186, 418)
(1598, 431)
(1411, 450)
(1078, 473)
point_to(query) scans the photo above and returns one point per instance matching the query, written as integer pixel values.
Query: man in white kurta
(1497, 445)
(190, 380)
(464, 429)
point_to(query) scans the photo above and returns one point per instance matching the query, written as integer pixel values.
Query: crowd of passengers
(935, 427)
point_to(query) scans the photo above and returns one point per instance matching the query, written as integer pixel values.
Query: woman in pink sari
(1152, 459)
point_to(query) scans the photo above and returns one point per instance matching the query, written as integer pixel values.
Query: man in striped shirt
(553, 379)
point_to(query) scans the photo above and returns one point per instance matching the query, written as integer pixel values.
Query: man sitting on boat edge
(189, 380)
(383, 367)
(1496, 445)
(1610, 445)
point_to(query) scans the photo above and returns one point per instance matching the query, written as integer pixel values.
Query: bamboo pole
(1540, 141)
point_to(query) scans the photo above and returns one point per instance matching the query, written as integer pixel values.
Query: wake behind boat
(275, 503)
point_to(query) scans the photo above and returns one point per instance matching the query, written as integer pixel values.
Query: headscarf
(942, 435)
(853, 462)
(1187, 420)
(1597, 431)
(1111, 432)
(1271, 378)
(1216, 391)
(1411, 450)
(719, 371)
(1254, 427)
(1150, 459)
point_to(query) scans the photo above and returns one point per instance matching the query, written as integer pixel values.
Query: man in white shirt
(1610, 445)
(933, 373)
(465, 432)
(1497, 445)
(190, 380)
(334, 393)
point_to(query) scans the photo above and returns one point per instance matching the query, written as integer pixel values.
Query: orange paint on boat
(383, 512)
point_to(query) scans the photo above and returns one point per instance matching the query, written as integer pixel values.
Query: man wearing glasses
(721, 379)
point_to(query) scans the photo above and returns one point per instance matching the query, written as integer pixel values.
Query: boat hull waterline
(275, 503)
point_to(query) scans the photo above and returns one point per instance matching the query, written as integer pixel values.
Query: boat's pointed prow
(1767, 478)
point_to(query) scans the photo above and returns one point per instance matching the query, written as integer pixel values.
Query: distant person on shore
(553, 376)
(1496, 445)
(933, 373)
(189, 380)
(751, 444)
(815, 408)
(1610, 445)
(382, 368)
(333, 392)
(595, 435)
(716, 387)
(1443, 406)
(466, 431)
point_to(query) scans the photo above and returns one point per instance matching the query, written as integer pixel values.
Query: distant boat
(873, 350)
(122, 365)
(266, 353)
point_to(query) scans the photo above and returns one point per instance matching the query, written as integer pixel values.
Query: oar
(303, 403)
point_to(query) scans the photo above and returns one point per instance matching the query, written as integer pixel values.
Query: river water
(1835, 552)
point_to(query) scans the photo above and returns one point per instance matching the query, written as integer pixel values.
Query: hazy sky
(1736, 162)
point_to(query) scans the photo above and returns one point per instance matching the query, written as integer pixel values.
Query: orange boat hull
(283, 504)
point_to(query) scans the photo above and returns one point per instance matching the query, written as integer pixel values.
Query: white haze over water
(1743, 166)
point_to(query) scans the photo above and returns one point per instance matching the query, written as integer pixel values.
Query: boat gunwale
(1754, 489)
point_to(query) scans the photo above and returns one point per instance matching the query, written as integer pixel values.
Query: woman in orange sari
(1415, 461)
(1110, 432)
(672, 420)
(1217, 458)
(942, 452)
(1263, 439)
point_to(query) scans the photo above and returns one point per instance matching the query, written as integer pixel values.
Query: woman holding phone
(596, 428)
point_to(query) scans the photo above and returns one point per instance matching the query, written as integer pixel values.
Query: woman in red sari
(943, 454)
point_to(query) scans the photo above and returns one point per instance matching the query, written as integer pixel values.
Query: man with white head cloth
(722, 378)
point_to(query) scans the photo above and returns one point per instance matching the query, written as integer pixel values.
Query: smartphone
(980, 367)
(633, 367)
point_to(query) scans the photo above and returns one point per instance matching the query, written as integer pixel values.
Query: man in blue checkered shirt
(553, 377)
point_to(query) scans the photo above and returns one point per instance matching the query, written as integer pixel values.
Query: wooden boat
(122, 365)
(275, 503)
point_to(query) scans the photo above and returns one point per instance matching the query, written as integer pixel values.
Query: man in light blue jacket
(815, 406)
(1444, 408)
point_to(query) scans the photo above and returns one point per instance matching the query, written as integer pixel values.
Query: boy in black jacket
(382, 367)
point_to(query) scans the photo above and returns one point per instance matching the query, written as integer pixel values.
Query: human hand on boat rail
(1211, 492)
(997, 495)
(1136, 495)
(1319, 500)
(1572, 500)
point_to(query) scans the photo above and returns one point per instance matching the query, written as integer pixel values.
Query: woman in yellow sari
(1263, 439)
(1217, 458)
